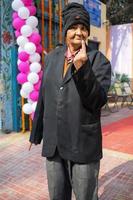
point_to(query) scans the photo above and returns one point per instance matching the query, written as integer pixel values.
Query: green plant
(117, 77)
(37, 2)
(124, 78)
(121, 78)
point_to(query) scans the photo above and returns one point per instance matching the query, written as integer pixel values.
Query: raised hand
(80, 57)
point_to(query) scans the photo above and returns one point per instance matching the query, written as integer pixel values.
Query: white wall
(122, 49)
(77, 1)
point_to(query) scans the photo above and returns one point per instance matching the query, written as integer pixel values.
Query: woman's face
(76, 34)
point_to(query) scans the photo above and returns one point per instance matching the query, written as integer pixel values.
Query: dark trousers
(64, 175)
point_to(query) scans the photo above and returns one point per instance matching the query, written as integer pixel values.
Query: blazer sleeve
(93, 80)
(37, 123)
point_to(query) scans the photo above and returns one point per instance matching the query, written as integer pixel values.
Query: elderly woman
(73, 90)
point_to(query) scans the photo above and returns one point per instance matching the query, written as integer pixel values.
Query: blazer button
(61, 88)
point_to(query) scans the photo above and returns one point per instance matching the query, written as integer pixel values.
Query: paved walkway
(23, 173)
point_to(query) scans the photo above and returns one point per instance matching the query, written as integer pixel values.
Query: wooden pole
(30, 123)
(60, 21)
(42, 29)
(50, 24)
(66, 2)
(23, 117)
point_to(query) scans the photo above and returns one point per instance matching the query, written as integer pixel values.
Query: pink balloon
(32, 115)
(17, 33)
(23, 56)
(35, 38)
(27, 2)
(23, 67)
(39, 48)
(14, 15)
(18, 23)
(37, 85)
(34, 95)
(40, 74)
(21, 78)
(32, 10)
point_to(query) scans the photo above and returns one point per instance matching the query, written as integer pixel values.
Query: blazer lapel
(59, 64)
(68, 75)
(59, 61)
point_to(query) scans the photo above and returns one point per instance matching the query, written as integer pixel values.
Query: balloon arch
(31, 49)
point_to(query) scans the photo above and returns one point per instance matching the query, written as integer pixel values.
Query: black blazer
(67, 116)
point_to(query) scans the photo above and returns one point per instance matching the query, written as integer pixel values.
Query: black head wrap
(75, 13)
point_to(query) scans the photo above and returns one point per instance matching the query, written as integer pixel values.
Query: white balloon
(23, 12)
(24, 94)
(27, 87)
(34, 106)
(30, 48)
(30, 101)
(21, 40)
(33, 77)
(27, 108)
(18, 62)
(16, 4)
(32, 21)
(26, 30)
(20, 49)
(35, 57)
(35, 30)
(35, 67)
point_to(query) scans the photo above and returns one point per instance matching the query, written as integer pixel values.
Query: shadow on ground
(118, 183)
